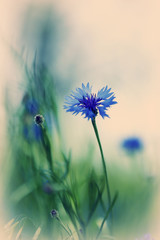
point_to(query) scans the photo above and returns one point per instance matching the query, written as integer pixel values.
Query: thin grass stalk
(47, 147)
(107, 214)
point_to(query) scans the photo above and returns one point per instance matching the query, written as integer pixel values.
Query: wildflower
(30, 104)
(32, 133)
(132, 144)
(39, 119)
(37, 132)
(54, 213)
(90, 104)
(146, 237)
(32, 107)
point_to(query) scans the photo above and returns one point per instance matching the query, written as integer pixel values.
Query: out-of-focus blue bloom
(47, 187)
(132, 144)
(90, 104)
(37, 132)
(146, 237)
(30, 104)
(32, 132)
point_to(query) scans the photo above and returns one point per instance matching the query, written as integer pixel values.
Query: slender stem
(47, 147)
(64, 227)
(103, 162)
(107, 214)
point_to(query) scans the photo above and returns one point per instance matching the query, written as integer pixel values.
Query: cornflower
(132, 144)
(90, 105)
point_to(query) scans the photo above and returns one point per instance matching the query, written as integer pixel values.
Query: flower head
(132, 144)
(90, 104)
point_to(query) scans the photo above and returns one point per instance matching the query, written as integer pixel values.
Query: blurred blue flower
(32, 132)
(37, 132)
(30, 104)
(132, 144)
(90, 104)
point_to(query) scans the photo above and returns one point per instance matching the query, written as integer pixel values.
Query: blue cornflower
(90, 104)
(132, 144)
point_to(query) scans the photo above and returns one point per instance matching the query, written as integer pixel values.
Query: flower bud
(54, 213)
(39, 119)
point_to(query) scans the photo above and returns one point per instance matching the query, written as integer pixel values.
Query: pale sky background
(118, 44)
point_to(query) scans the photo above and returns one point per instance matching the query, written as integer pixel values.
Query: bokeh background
(114, 43)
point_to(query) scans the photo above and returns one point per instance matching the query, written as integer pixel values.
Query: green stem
(103, 162)
(106, 216)
(63, 226)
(47, 147)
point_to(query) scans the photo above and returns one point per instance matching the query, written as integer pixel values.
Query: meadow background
(114, 43)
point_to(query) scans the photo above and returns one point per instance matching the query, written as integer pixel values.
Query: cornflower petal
(102, 112)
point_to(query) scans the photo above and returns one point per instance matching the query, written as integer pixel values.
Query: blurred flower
(132, 144)
(39, 119)
(54, 213)
(37, 132)
(47, 188)
(89, 104)
(32, 132)
(31, 105)
(146, 237)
